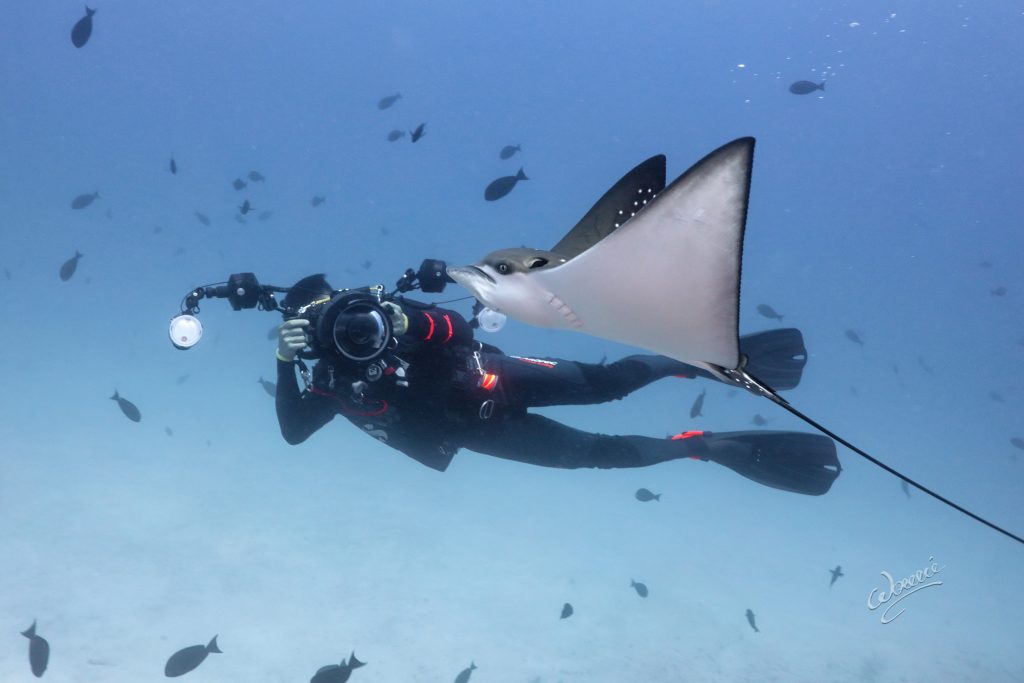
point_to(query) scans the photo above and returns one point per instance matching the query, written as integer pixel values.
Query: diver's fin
(776, 357)
(633, 190)
(790, 461)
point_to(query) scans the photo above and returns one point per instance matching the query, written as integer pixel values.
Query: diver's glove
(399, 320)
(291, 338)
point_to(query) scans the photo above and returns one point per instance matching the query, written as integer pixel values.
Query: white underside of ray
(668, 280)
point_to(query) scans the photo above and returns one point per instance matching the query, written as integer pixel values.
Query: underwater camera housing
(349, 323)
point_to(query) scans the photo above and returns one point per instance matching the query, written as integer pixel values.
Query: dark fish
(418, 133)
(337, 673)
(836, 573)
(1018, 442)
(999, 291)
(698, 405)
(239, 184)
(502, 186)
(202, 218)
(895, 369)
(174, 167)
(245, 208)
(389, 101)
(566, 611)
(996, 396)
(69, 267)
(264, 215)
(854, 337)
(256, 177)
(768, 312)
(367, 264)
(396, 135)
(906, 487)
(82, 29)
(646, 496)
(759, 420)
(268, 386)
(806, 87)
(317, 200)
(640, 588)
(750, 620)
(110, 215)
(168, 431)
(182, 379)
(84, 200)
(464, 675)
(127, 407)
(7, 273)
(509, 151)
(186, 659)
(38, 651)
(854, 391)
(924, 365)
(985, 264)
(157, 229)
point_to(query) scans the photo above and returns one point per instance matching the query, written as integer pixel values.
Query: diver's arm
(299, 415)
(434, 326)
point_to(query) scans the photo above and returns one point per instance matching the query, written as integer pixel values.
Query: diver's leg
(538, 382)
(538, 440)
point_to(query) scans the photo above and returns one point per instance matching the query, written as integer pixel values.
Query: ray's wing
(614, 207)
(668, 280)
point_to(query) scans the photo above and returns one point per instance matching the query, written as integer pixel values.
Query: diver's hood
(306, 290)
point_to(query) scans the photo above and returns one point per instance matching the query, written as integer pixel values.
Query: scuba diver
(441, 391)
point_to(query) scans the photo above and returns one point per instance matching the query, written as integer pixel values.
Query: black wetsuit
(446, 407)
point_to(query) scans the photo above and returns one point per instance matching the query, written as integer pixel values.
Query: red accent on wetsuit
(488, 381)
(451, 331)
(431, 332)
(687, 435)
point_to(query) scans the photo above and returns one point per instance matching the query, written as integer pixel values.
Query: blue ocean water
(886, 204)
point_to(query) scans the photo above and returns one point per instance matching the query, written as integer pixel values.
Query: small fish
(502, 186)
(646, 496)
(854, 390)
(84, 200)
(264, 215)
(985, 264)
(110, 215)
(998, 291)
(202, 218)
(82, 29)
(239, 184)
(768, 312)
(396, 135)
(317, 200)
(7, 273)
(906, 487)
(854, 337)
(182, 379)
(157, 229)
(509, 151)
(566, 611)
(698, 405)
(750, 620)
(69, 267)
(924, 365)
(389, 101)
(168, 431)
(759, 420)
(337, 673)
(367, 264)
(127, 407)
(806, 87)
(174, 167)
(38, 651)
(246, 207)
(836, 573)
(464, 675)
(239, 219)
(256, 177)
(418, 133)
(1018, 442)
(268, 386)
(187, 659)
(641, 589)
(996, 396)
(895, 369)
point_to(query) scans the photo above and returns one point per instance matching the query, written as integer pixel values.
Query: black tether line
(785, 404)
